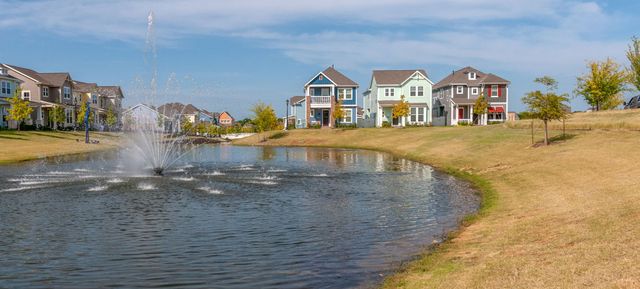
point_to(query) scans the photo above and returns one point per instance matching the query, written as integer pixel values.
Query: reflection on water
(226, 217)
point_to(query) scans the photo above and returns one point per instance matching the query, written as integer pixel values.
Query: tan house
(225, 119)
(45, 91)
(111, 96)
(8, 86)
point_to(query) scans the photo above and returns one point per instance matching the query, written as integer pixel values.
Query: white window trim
(66, 95)
(349, 112)
(474, 76)
(389, 92)
(45, 91)
(459, 89)
(494, 89)
(474, 91)
(26, 91)
(413, 91)
(420, 91)
(344, 90)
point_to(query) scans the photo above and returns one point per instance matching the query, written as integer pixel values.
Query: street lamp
(286, 117)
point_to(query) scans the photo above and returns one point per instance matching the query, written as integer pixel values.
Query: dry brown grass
(28, 145)
(566, 216)
(607, 120)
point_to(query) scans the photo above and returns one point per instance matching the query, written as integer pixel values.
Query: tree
(82, 112)
(603, 85)
(400, 109)
(264, 117)
(20, 109)
(244, 121)
(480, 107)
(111, 118)
(56, 115)
(633, 54)
(337, 113)
(547, 105)
(186, 126)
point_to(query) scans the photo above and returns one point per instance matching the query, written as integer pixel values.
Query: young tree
(111, 118)
(603, 85)
(186, 126)
(547, 105)
(400, 109)
(82, 111)
(337, 112)
(20, 109)
(633, 54)
(264, 117)
(56, 115)
(480, 108)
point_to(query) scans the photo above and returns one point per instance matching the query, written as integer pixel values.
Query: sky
(228, 55)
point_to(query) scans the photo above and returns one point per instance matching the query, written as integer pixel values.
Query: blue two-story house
(322, 93)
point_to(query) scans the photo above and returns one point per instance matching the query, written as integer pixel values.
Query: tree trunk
(546, 134)
(532, 141)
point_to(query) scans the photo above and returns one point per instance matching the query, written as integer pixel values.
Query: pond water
(225, 217)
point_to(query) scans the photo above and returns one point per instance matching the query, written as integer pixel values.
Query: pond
(224, 217)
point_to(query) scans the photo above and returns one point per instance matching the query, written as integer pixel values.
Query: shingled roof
(27, 72)
(55, 79)
(110, 90)
(338, 78)
(461, 77)
(176, 108)
(394, 77)
(296, 99)
(80, 86)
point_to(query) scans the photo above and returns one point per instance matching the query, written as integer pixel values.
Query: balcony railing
(321, 100)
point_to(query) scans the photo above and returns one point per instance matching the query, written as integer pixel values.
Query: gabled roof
(55, 79)
(334, 76)
(80, 86)
(176, 108)
(34, 75)
(461, 76)
(6, 76)
(110, 91)
(394, 77)
(338, 78)
(224, 112)
(296, 99)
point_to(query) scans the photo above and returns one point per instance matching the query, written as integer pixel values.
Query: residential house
(456, 94)
(111, 97)
(145, 117)
(386, 89)
(298, 111)
(8, 86)
(45, 91)
(225, 119)
(322, 93)
(84, 92)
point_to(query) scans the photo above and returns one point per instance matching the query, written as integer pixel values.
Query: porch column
(307, 103)
(331, 120)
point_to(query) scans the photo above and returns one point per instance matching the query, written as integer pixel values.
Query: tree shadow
(12, 137)
(555, 140)
(49, 135)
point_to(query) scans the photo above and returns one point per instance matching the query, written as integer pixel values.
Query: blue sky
(227, 55)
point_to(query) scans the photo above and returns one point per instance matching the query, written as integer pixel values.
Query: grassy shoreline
(560, 216)
(21, 146)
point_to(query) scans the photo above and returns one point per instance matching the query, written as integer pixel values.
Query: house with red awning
(455, 95)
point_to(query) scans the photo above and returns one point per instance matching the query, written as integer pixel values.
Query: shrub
(348, 126)
(278, 135)
(465, 123)
(494, 122)
(315, 126)
(386, 124)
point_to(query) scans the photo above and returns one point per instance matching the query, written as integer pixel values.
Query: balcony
(320, 101)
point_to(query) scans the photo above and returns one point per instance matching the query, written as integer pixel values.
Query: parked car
(634, 102)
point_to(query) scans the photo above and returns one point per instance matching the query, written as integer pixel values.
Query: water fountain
(159, 145)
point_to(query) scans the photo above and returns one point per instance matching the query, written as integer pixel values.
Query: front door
(325, 117)
(395, 121)
(461, 113)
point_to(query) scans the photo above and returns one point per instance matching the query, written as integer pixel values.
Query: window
(66, 92)
(420, 91)
(94, 99)
(5, 87)
(299, 121)
(413, 91)
(346, 117)
(417, 114)
(345, 93)
(472, 76)
(69, 115)
(26, 95)
(459, 89)
(320, 77)
(494, 90)
(45, 91)
(389, 92)
(474, 90)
